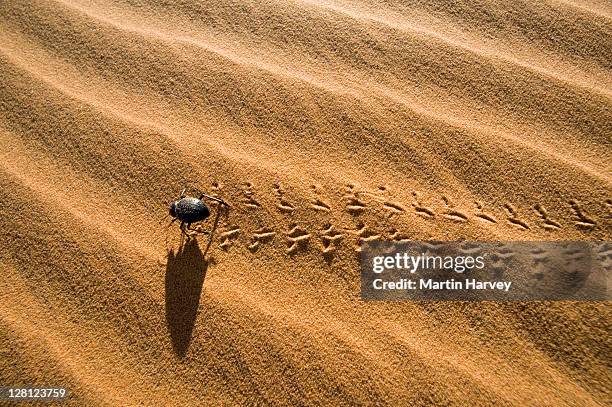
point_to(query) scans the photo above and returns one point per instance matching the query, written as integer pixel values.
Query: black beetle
(189, 209)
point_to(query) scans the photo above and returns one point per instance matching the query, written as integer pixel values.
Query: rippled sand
(323, 124)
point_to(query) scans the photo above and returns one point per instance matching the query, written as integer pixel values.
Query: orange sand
(356, 119)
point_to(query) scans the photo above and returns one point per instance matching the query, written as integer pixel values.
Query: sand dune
(323, 124)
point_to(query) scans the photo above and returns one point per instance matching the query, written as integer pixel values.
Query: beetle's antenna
(167, 226)
(164, 218)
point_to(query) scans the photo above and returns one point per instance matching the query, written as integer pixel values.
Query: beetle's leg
(214, 198)
(187, 231)
(184, 230)
(196, 231)
(183, 193)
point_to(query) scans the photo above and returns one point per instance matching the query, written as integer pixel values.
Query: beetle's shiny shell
(191, 210)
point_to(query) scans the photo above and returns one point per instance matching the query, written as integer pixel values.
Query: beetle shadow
(185, 274)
